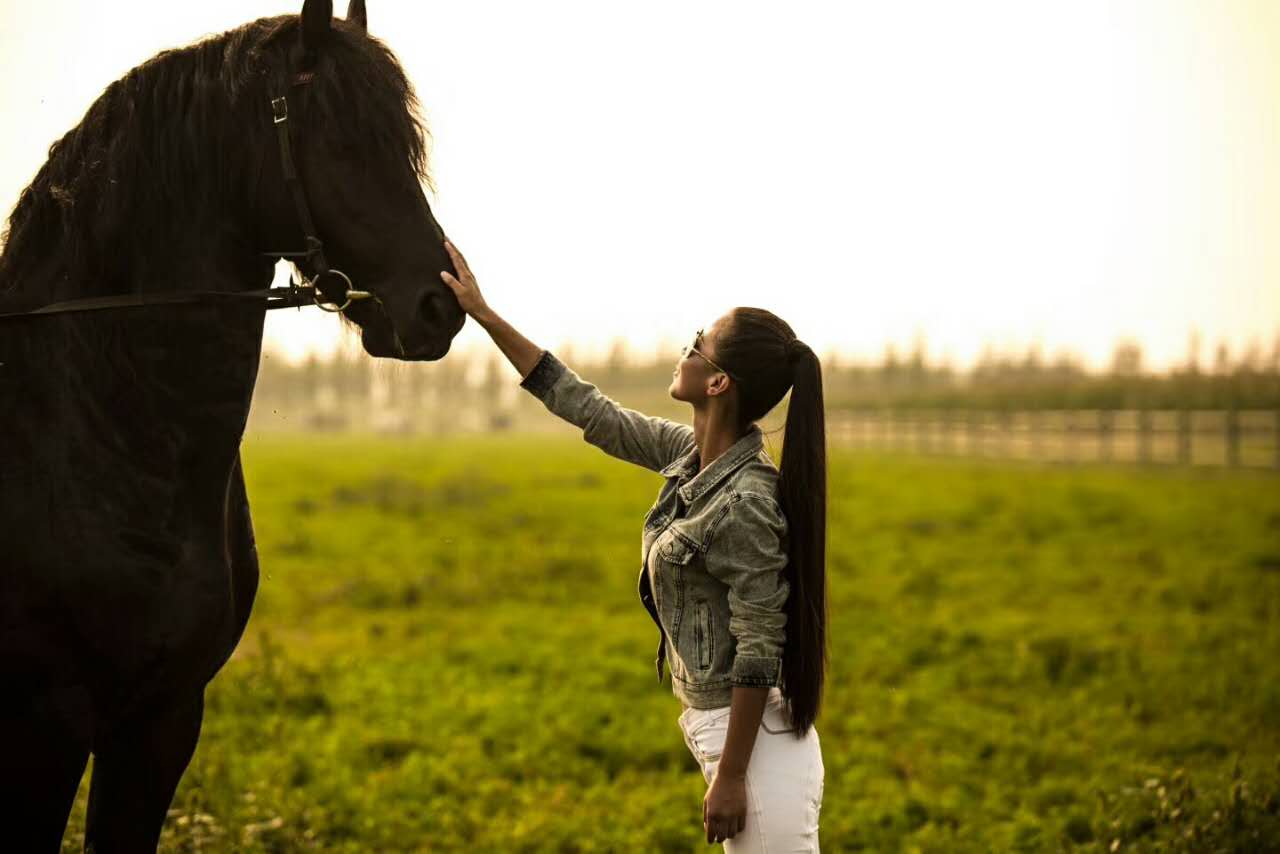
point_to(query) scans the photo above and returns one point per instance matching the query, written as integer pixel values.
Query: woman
(734, 557)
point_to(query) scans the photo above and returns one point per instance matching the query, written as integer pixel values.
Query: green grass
(447, 653)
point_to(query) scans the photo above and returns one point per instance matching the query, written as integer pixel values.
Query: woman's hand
(724, 809)
(464, 287)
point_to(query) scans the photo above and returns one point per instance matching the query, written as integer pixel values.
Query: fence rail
(1231, 437)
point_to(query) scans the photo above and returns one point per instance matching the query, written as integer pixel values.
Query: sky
(974, 175)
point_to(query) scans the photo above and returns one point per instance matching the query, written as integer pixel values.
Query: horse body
(127, 559)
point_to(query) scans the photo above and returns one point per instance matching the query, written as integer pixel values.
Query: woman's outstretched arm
(646, 440)
(520, 351)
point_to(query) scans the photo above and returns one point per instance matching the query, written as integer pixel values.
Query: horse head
(359, 150)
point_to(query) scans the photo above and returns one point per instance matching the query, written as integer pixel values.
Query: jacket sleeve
(645, 440)
(747, 551)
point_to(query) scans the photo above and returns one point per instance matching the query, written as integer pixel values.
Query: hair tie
(795, 349)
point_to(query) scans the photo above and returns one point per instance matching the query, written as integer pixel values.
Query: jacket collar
(699, 482)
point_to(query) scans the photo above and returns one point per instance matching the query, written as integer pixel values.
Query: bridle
(326, 298)
(297, 294)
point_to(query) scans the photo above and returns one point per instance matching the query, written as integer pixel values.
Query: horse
(127, 560)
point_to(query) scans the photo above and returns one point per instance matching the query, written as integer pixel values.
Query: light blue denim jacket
(714, 545)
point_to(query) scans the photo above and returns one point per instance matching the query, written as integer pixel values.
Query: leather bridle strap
(334, 286)
(293, 296)
(315, 247)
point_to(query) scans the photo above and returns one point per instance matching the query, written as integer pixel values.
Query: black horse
(127, 560)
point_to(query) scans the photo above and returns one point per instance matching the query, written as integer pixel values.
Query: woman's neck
(715, 430)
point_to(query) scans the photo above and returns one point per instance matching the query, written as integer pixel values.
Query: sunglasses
(693, 348)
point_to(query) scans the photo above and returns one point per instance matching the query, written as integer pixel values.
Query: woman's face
(695, 379)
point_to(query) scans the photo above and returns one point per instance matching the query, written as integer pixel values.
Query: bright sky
(976, 173)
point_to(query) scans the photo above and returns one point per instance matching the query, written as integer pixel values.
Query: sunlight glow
(988, 173)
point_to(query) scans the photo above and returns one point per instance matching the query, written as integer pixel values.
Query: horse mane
(166, 161)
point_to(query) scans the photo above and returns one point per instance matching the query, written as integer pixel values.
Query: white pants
(784, 778)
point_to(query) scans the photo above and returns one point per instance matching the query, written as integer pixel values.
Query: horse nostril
(434, 310)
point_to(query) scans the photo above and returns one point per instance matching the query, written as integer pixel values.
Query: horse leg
(41, 763)
(135, 773)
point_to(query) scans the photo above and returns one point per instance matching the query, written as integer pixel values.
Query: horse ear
(317, 18)
(357, 15)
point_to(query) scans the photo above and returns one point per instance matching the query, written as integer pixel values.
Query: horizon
(1217, 359)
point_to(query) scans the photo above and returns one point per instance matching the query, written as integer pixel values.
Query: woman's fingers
(459, 261)
(465, 292)
(464, 284)
(719, 829)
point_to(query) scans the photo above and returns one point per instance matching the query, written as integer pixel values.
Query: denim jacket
(714, 544)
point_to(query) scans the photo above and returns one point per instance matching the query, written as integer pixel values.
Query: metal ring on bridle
(351, 293)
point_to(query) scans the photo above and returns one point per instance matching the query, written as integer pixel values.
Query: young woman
(734, 567)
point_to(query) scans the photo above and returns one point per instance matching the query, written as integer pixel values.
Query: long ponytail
(802, 489)
(762, 349)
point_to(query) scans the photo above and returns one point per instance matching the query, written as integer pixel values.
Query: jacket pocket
(673, 548)
(704, 639)
(674, 552)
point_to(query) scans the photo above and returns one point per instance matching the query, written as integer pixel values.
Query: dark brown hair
(762, 350)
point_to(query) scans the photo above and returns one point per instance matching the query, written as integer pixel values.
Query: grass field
(447, 653)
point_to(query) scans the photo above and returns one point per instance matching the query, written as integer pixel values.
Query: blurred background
(1035, 245)
(975, 181)
(1008, 227)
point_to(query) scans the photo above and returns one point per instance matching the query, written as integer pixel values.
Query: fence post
(1275, 437)
(1184, 436)
(1144, 436)
(1068, 436)
(1233, 436)
(1105, 417)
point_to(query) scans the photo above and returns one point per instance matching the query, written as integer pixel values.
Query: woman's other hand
(724, 809)
(464, 286)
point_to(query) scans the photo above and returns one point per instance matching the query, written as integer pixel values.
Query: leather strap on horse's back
(293, 296)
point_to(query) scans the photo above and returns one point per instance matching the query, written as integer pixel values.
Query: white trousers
(784, 778)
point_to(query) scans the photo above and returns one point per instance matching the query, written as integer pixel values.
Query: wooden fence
(1242, 438)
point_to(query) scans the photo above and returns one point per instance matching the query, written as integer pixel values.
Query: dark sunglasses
(693, 348)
